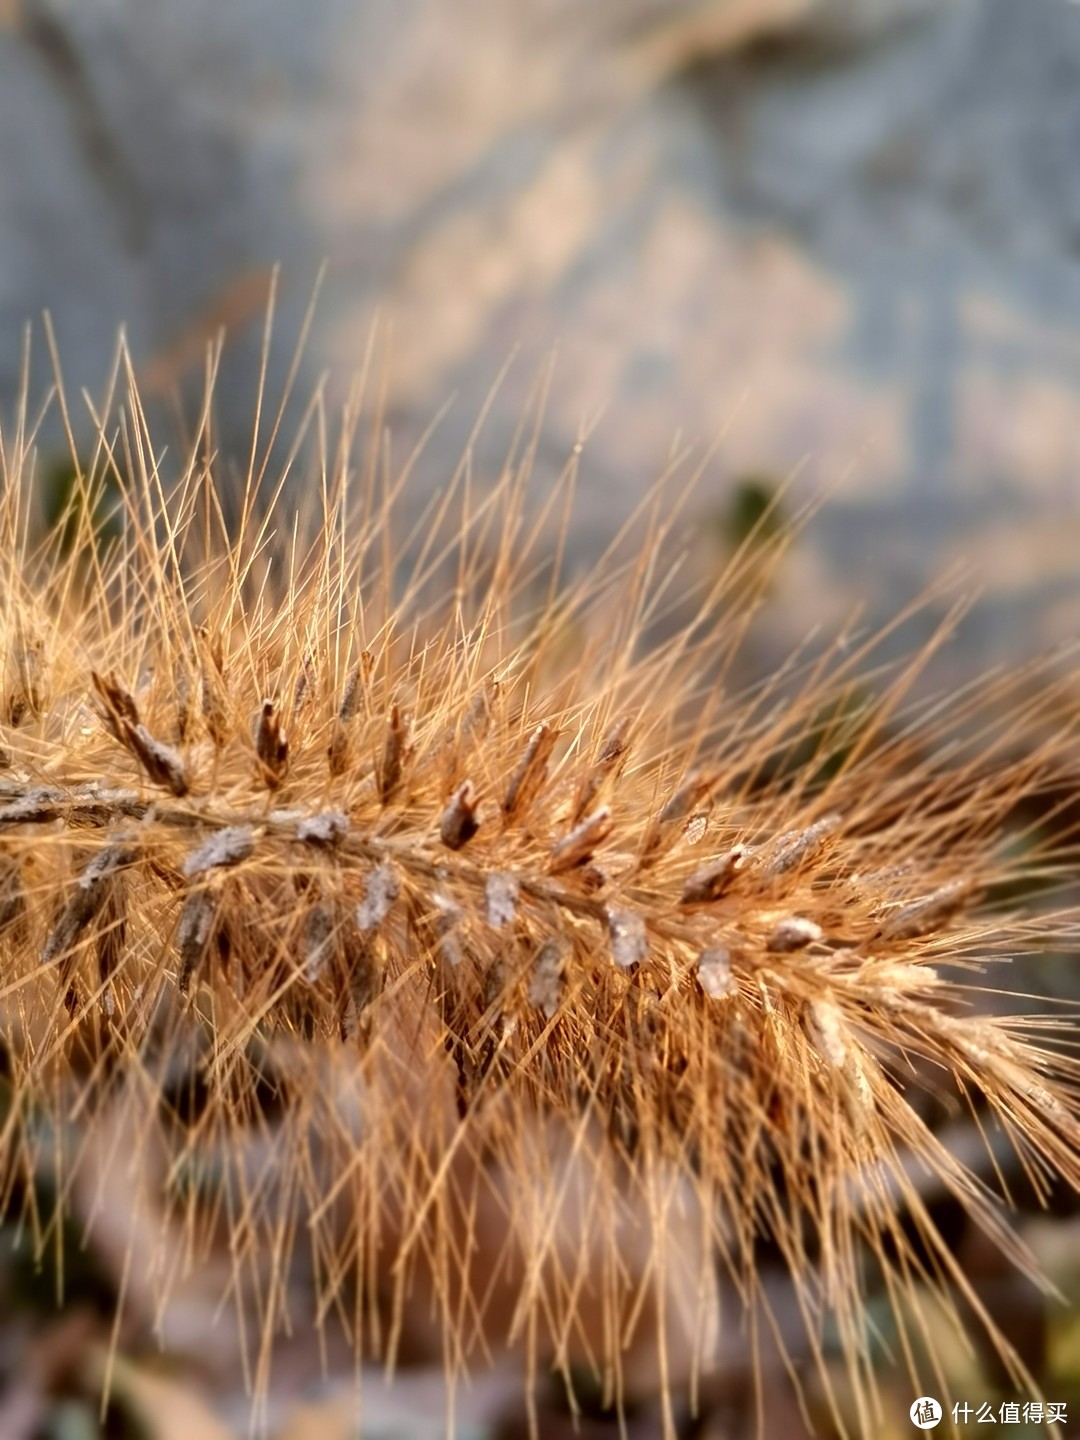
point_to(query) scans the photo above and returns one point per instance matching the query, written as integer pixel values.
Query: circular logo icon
(925, 1413)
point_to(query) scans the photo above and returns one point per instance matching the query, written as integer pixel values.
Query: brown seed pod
(271, 745)
(198, 916)
(79, 921)
(609, 759)
(212, 685)
(713, 881)
(577, 848)
(694, 790)
(546, 982)
(26, 675)
(531, 772)
(395, 751)
(120, 715)
(339, 751)
(458, 822)
(305, 684)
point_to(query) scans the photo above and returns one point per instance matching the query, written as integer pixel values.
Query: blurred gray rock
(843, 233)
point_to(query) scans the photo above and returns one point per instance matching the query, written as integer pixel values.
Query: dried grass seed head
(741, 1013)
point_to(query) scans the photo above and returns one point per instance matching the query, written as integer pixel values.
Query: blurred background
(842, 237)
(838, 238)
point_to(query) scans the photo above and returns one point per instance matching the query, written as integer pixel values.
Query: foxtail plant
(551, 990)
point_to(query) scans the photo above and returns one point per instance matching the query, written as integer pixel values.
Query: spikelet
(571, 1005)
